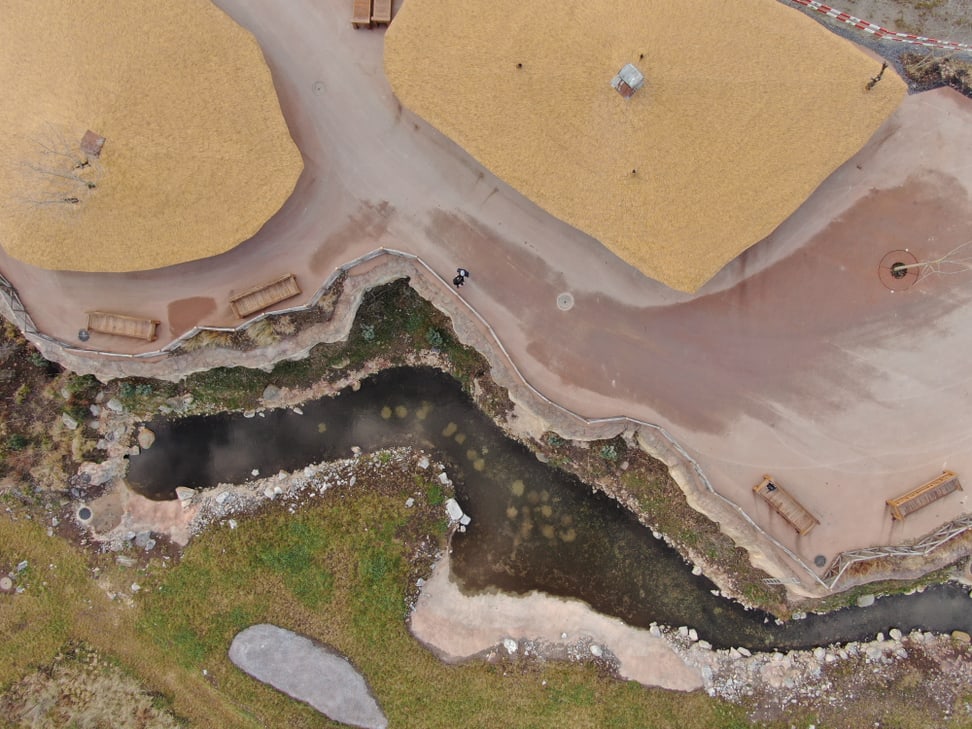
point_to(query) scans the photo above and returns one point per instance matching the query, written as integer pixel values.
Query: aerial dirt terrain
(795, 360)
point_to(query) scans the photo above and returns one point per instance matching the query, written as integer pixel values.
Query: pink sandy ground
(795, 360)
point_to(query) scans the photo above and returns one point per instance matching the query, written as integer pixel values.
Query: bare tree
(957, 260)
(59, 172)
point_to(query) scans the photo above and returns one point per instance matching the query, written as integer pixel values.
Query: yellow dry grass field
(747, 107)
(198, 155)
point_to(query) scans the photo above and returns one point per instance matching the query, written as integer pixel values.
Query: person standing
(459, 280)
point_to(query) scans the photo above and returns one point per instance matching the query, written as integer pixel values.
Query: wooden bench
(786, 506)
(924, 495)
(382, 12)
(260, 297)
(361, 14)
(122, 326)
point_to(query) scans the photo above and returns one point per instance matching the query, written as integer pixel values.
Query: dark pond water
(533, 528)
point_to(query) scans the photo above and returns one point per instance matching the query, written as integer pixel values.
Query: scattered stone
(799, 616)
(150, 545)
(879, 637)
(745, 652)
(819, 653)
(454, 510)
(423, 462)
(297, 410)
(136, 587)
(683, 631)
(961, 636)
(704, 645)
(271, 392)
(693, 635)
(21, 566)
(255, 472)
(142, 538)
(115, 405)
(409, 502)
(309, 672)
(249, 414)
(185, 494)
(232, 524)
(222, 496)
(145, 438)
(563, 636)
(444, 479)
(596, 650)
(696, 570)
(895, 634)
(510, 645)
(865, 601)
(69, 422)
(268, 492)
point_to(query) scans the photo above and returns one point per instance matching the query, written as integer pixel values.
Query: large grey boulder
(307, 671)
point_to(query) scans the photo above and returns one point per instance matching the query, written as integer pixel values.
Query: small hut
(628, 80)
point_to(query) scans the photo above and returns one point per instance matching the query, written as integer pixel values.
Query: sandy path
(794, 360)
(457, 626)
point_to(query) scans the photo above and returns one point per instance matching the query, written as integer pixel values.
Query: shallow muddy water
(533, 527)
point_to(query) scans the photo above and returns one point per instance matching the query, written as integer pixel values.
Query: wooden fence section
(122, 326)
(361, 14)
(260, 297)
(924, 495)
(786, 506)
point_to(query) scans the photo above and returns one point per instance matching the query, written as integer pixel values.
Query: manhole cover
(319, 88)
(897, 270)
(84, 513)
(83, 335)
(820, 560)
(6, 584)
(565, 302)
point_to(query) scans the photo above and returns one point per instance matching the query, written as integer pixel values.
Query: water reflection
(533, 528)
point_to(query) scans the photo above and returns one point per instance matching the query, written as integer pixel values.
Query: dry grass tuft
(197, 157)
(262, 333)
(747, 108)
(206, 338)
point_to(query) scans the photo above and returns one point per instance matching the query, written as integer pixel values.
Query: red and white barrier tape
(879, 32)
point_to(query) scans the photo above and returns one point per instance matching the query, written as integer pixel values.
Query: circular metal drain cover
(565, 302)
(84, 513)
(820, 560)
(319, 88)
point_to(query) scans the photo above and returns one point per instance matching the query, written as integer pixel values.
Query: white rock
(145, 438)
(563, 636)
(268, 492)
(232, 523)
(744, 652)
(454, 510)
(683, 631)
(249, 413)
(799, 616)
(465, 519)
(255, 472)
(222, 496)
(819, 653)
(705, 645)
(693, 634)
(297, 410)
(423, 462)
(894, 634)
(734, 654)
(655, 631)
(510, 645)
(69, 422)
(136, 587)
(184, 494)
(409, 502)
(696, 570)
(115, 405)
(444, 479)
(596, 650)
(879, 638)
(865, 601)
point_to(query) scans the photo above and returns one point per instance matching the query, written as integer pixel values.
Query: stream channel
(533, 527)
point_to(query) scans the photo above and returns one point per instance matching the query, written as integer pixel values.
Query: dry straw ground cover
(747, 108)
(198, 153)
